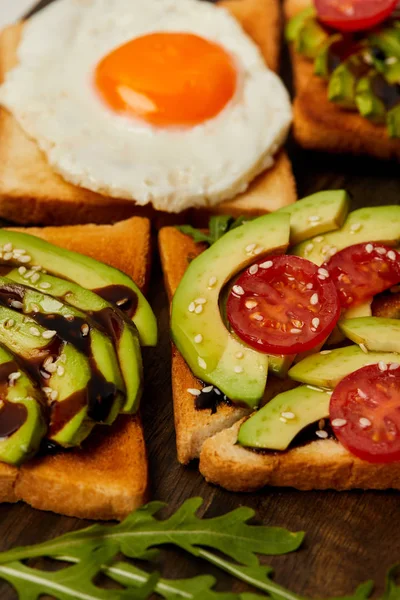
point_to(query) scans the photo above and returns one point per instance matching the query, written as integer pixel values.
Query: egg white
(51, 94)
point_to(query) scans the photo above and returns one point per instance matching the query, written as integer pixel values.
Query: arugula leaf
(141, 531)
(70, 583)
(217, 227)
(392, 591)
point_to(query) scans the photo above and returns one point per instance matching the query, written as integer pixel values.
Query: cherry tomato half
(365, 413)
(362, 271)
(354, 15)
(283, 305)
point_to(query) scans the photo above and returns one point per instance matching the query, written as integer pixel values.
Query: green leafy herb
(217, 227)
(141, 531)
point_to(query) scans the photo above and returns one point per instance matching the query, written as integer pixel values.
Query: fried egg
(166, 102)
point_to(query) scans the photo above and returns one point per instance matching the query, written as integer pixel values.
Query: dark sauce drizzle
(121, 296)
(304, 437)
(210, 400)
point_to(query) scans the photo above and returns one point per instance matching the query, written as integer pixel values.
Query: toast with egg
(211, 435)
(319, 124)
(106, 478)
(31, 192)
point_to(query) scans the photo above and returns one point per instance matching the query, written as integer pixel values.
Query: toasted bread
(322, 125)
(31, 192)
(107, 477)
(212, 437)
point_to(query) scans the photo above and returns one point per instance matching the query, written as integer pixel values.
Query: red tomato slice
(362, 271)
(354, 15)
(365, 413)
(283, 305)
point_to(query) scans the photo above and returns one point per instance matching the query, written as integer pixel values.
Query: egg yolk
(167, 79)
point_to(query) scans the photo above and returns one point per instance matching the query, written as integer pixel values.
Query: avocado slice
(327, 368)
(23, 412)
(368, 103)
(317, 214)
(376, 333)
(121, 329)
(360, 310)
(393, 121)
(343, 81)
(211, 351)
(310, 38)
(296, 23)
(330, 56)
(373, 224)
(277, 423)
(67, 392)
(280, 365)
(109, 283)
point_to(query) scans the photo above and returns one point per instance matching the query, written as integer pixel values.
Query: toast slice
(31, 192)
(107, 477)
(212, 437)
(320, 124)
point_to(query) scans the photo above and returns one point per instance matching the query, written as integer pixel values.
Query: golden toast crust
(106, 478)
(31, 192)
(321, 125)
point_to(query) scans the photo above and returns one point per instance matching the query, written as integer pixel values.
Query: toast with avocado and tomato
(346, 66)
(71, 375)
(286, 363)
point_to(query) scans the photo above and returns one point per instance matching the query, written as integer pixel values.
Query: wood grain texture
(351, 536)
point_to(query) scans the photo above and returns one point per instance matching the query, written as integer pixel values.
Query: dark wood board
(351, 536)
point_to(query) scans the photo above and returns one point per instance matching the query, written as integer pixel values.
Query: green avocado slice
(22, 412)
(317, 214)
(296, 23)
(328, 367)
(108, 282)
(117, 324)
(373, 224)
(277, 423)
(376, 333)
(211, 351)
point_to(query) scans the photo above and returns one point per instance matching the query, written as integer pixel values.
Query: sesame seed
(9, 323)
(309, 286)
(44, 285)
(288, 415)
(295, 330)
(191, 307)
(8, 256)
(355, 227)
(391, 60)
(323, 272)
(198, 309)
(364, 348)
(50, 333)
(24, 259)
(35, 277)
(239, 355)
(19, 251)
(238, 369)
(217, 391)
(193, 391)
(322, 434)
(256, 317)
(7, 247)
(212, 281)
(313, 387)
(258, 250)
(35, 307)
(364, 422)
(315, 322)
(283, 419)
(250, 304)
(16, 304)
(392, 255)
(54, 395)
(85, 329)
(369, 248)
(198, 338)
(28, 274)
(394, 366)
(13, 377)
(314, 219)
(319, 239)
(47, 362)
(36, 268)
(202, 363)
(51, 368)
(333, 250)
(22, 270)
(250, 247)
(63, 358)
(237, 289)
(325, 352)
(339, 422)
(314, 299)
(60, 370)
(309, 247)
(200, 301)
(382, 366)
(267, 264)
(207, 389)
(34, 331)
(381, 251)
(253, 269)
(362, 394)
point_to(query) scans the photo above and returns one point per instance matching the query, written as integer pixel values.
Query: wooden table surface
(351, 536)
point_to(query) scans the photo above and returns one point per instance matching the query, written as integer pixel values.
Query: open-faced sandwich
(112, 107)
(71, 372)
(286, 356)
(346, 64)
